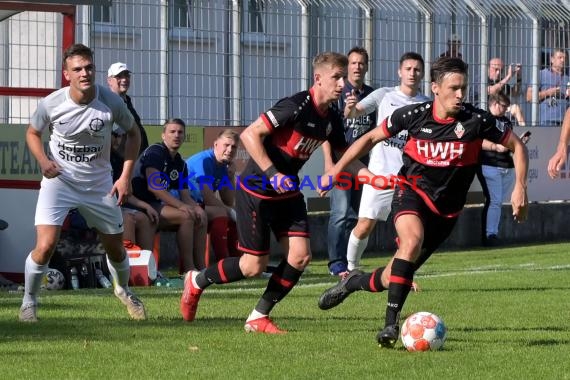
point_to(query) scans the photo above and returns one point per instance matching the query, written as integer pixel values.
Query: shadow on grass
(510, 289)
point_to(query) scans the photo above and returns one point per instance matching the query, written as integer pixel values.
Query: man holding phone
(496, 83)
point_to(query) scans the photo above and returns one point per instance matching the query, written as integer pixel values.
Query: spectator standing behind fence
(75, 172)
(496, 173)
(140, 219)
(344, 202)
(119, 81)
(496, 83)
(159, 170)
(553, 90)
(453, 47)
(211, 171)
(385, 157)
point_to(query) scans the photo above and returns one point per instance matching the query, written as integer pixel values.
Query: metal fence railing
(222, 62)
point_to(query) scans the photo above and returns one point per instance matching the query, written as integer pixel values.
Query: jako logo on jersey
(272, 118)
(426, 130)
(439, 152)
(311, 125)
(306, 146)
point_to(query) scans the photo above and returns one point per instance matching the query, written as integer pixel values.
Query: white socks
(354, 250)
(255, 315)
(120, 272)
(33, 274)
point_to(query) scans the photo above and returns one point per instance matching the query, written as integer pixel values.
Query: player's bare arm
(252, 140)
(559, 157)
(123, 185)
(519, 197)
(49, 168)
(328, 156)
(355, 151)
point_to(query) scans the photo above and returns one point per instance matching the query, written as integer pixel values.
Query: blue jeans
(499, 183)
(343, 218)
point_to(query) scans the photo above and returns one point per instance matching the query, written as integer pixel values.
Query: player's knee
(363, 228)
(409, 249)
(300, 259)
(45, 248)
(252, 269)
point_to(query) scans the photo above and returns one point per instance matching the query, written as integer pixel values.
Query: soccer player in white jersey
(77, 174)
(385, 157)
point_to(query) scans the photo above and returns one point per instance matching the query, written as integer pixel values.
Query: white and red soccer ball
(423, 331)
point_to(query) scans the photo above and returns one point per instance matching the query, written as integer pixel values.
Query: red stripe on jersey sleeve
(267, 122)
(384, 126)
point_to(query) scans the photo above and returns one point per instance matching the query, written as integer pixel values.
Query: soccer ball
(423, 331)
(53, 280)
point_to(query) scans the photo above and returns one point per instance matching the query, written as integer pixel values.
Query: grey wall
(546, 223)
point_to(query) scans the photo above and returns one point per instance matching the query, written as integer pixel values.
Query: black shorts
(437, 228)
(257, 217)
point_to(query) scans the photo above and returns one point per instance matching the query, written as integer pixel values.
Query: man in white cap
(453, 46)
(119, 81)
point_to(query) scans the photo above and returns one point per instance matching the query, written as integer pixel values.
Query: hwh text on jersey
(306, 146)
(439, 153)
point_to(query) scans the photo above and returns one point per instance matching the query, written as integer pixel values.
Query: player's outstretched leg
(120, 271)
(134, 305)
(401, 279)
(222, 272)
(283, 279)
(264, 325)
(388, 337)
(337, 294)
(190, 296)
(33, 275)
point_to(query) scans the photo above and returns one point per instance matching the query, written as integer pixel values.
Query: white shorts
(99, 209)
(375, 204)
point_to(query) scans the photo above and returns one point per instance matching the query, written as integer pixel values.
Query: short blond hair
(330, 58)
(229, 133)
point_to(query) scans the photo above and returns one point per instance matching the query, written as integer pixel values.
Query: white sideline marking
(468, 272)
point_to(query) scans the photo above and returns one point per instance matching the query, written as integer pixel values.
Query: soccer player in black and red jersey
(440, 159)
(268, 199)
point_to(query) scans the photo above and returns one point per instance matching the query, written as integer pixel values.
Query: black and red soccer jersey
(441, 156)
(297, 129)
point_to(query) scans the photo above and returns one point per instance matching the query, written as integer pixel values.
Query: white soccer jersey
(386, 156)
(80, 141)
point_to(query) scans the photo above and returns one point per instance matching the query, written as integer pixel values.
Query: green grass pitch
(506, 310)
